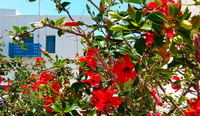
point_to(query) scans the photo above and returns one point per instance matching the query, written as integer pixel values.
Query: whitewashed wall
(66, 45)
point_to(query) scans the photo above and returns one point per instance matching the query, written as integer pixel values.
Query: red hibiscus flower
(55, 86)
(149, 37)
(7, 86)
(169, 31)
(89, 73)
(102, 98)
(49, 109)
(48, 102)
(91, 53)
(176, 85)
(124, 69)
(25, 86)
(163, 8)
(45, 77)
(91, 62)
(1, 79)
(94, 81)
(158, 114)
(81, 58)
(154, 94)
(89, 58)
(38, 59)
(194, 109)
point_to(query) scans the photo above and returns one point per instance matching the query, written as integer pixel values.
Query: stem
(93, 4)
(196, 74)
(58, 2)
(197, 81)
(163, 90)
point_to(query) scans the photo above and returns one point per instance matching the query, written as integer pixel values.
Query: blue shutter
(50, 44)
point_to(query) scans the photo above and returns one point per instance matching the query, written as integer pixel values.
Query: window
(29, 39)
(50, 44)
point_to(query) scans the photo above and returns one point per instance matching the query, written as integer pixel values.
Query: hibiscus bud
(158, 100)
(101, 8)
(186, 24)
(131, 11)
(71, 23)
(45, 53)
(196, 38)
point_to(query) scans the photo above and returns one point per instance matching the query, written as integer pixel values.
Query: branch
(94, 4)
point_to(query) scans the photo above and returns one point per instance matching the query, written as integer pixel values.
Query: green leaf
(131, 11)
(108, 1)
(172, 48)
(157, 28)
(147, 26)
(30, 113)
(175, 62)
(16, 28)
(121, 109)
(92, 112)
(134, 24)
(52, 22)
(182, 99)
(100, 17)
(186, 14)
(135, 82)
(100, 37)
(158, 2)
(138, 17)
(58, 21)
(197, 2)
(134, 1)
(64, 4)
(115, 15)
(117, 28)
(59, 32)
(32, 0)
(67, 108)
(33, 25)
(57, 107)
(172, 9)
(158, 41)
(2, 73)
(76, 86)
(88, 9)
(23, 46)
(165, 73)
(157, 16)
(115, 3)
(140, 46)
(24, 28)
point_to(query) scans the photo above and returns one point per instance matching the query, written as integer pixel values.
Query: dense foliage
(130, 59)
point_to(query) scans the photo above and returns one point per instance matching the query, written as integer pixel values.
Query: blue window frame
(50, 44)
(29, 40)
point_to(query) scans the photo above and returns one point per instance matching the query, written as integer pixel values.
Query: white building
(65, 46)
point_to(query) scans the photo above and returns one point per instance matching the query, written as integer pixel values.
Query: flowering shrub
(125, 70)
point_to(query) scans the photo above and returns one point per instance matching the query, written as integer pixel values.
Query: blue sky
(77, 7)
(46, 6)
